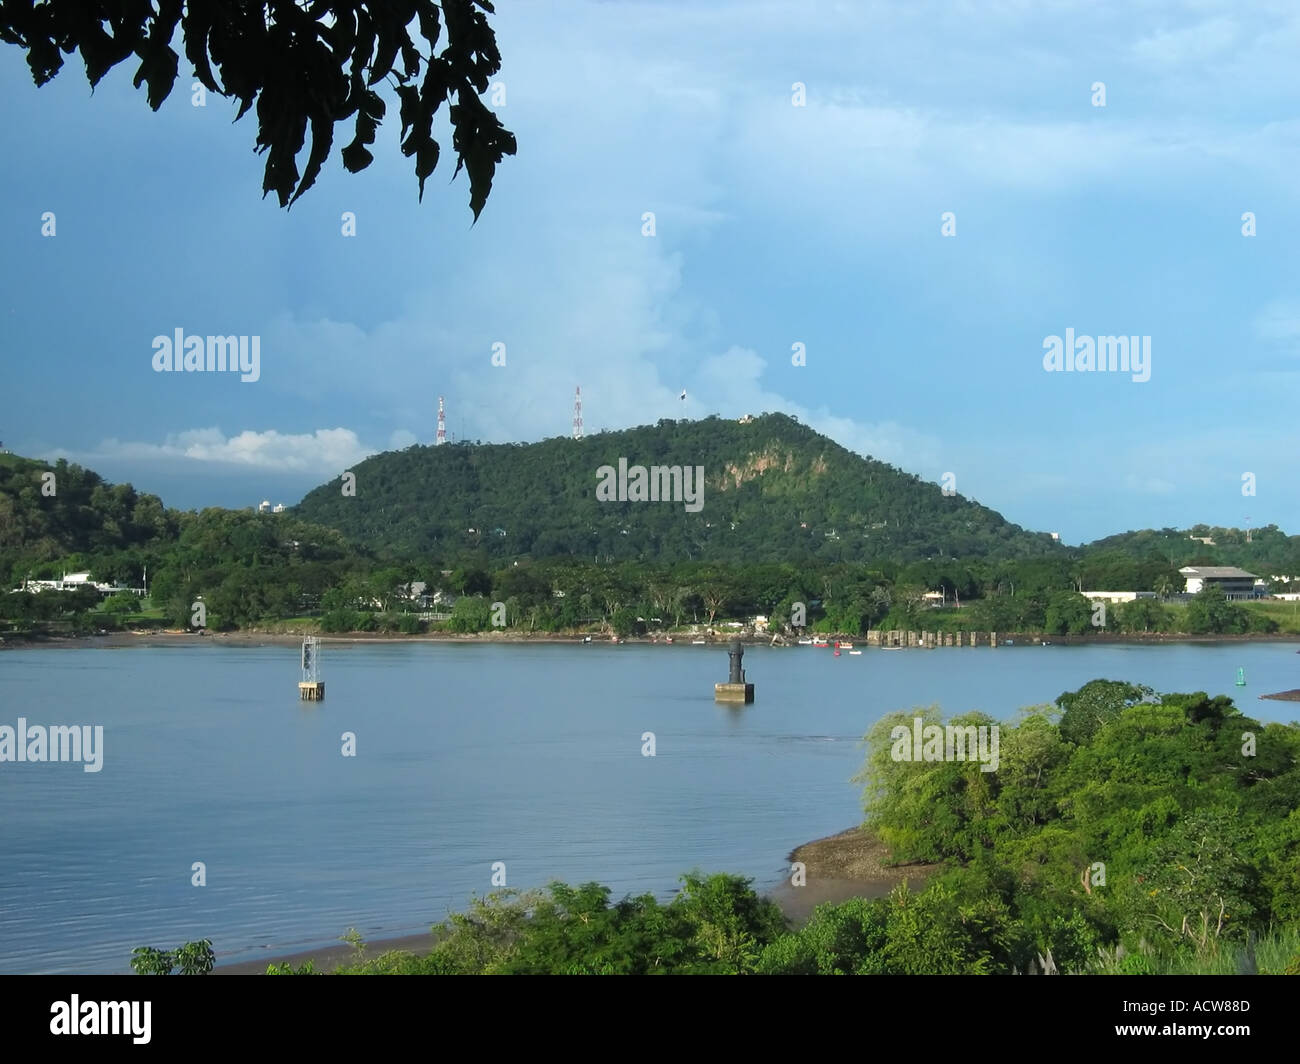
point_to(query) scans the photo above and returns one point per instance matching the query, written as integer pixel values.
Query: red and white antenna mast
(441, 438)
(577, 414)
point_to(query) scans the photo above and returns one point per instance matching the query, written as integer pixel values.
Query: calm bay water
(465, 755)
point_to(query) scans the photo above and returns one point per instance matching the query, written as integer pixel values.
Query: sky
(802, 162)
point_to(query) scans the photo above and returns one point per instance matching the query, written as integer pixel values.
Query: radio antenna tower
(577, 414)
(441, 438)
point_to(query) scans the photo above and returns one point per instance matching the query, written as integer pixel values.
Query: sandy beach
(330, 957)
(851, 864)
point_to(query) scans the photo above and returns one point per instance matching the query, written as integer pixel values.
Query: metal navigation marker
(312, 688)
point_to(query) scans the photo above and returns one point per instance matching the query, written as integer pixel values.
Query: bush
(410, 624)
(470, 614)
(1137, 964)
(122, 602)
(625, 623)
(341, 620)
(193, 958)
(1260, 622)
(309, 968)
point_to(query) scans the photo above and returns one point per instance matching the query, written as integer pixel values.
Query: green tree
(192, 958)
(1068, 613)
(1199, 881)
(470, 614)
(1210, 613)
(625, 623)
(1097, 703)
(122, 602)
(1143, 615)
(844, 939)
(730, 924)
(925, 810)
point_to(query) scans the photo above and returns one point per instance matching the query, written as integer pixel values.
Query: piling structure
(736, 689)
(312, 687)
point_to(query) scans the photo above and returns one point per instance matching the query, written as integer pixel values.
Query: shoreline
(849, 864)
(256, 637)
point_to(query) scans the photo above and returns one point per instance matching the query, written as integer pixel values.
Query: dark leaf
(373, 106)
(430, 22)
(299, 63)
(322, 137)
(426, 158)
(356, 158)
(410, 59)
(390, 40)
(409, 111)
(196, 28)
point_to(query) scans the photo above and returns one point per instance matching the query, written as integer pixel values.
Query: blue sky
(775, 224)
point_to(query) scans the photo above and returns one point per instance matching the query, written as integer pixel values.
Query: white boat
(808, 643)
(697, 642)
(855, 652)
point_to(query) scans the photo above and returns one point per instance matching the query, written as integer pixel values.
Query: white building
(72, 581)
(1232, 581)
(1117, 596)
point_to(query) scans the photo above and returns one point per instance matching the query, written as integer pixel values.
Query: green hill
(1264, 551)
(774, 490)
(65, 518)
(54, 512)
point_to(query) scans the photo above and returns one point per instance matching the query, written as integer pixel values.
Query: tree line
(253, 569)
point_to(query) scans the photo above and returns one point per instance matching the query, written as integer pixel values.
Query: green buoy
(1241, 677)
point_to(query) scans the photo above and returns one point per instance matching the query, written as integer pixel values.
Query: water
(465, 755)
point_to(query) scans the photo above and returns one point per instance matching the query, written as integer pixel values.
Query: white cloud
(1144, 485)
(1190, 44)
(730, 385)
(323, 452)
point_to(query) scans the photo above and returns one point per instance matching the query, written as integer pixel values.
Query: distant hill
(79, 513)
(1269, 551)
(775, 490)
(81, 521)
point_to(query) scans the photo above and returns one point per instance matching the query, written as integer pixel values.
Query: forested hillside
(775, 490)
(245, 566)
(1264, 551)
(61, 512)
(876, 541)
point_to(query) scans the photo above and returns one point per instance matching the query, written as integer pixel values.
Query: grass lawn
(1285, 613)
